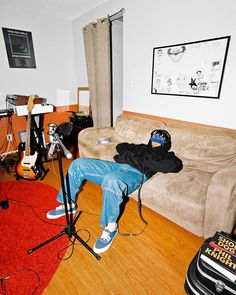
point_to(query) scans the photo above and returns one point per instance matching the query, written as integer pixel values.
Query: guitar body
(27, 167)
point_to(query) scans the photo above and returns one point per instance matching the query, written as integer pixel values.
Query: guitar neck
(28, 132)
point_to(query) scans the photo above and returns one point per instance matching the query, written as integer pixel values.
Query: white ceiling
(66, 9)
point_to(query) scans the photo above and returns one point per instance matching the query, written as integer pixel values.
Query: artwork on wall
(19, 47)
(190, 69)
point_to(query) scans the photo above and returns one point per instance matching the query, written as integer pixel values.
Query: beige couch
(202, 197)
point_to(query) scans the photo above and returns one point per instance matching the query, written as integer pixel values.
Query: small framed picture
(19, 47)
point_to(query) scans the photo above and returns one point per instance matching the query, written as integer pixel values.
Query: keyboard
(6, 112)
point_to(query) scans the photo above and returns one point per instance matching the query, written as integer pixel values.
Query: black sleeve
(172, 164)
(136, 148)
(122, 147)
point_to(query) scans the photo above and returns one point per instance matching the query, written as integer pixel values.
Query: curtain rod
(117, 15)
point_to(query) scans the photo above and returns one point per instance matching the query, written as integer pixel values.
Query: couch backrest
(135, 129)
(204, 148)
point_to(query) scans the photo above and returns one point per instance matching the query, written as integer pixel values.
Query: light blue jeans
(117, 181)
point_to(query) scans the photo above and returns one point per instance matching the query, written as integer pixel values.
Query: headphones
(163, 133)
(4, 204)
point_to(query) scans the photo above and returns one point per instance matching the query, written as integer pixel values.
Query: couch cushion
(180, 197)
(135, 129)
(204, 148)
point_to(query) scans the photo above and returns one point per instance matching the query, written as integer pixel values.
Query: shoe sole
(99, 251)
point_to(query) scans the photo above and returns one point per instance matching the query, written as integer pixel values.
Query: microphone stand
(69, 229)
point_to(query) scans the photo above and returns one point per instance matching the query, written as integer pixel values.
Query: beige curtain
(98, 61)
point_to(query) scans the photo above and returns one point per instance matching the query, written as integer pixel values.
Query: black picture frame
(190, 69)
(19, 47)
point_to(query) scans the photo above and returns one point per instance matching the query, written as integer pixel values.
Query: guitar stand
(45, 171)
(39, 131)
(69, 229)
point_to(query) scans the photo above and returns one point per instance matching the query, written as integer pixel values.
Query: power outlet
(9, 137)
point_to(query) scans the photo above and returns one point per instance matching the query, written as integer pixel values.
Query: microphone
(67, 153)
(56, 140)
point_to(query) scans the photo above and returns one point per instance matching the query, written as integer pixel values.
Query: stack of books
(220, 254)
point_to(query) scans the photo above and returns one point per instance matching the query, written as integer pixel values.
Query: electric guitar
(27, 167)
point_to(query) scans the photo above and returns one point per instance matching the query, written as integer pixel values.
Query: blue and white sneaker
(60, 211)
(105, 240)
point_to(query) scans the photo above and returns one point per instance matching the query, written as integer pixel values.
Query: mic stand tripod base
(70, 231)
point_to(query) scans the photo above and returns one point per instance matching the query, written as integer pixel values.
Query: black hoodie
(147, 159)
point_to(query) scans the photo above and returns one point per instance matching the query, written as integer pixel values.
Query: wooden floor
(154, 262)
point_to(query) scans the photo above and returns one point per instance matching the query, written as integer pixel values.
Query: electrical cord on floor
(10, 188)
(23, 203)
(72, 244)
(6, 144)
(140, 214)
(132, 234)
(72, 241)
(3, 146)
(7, 276)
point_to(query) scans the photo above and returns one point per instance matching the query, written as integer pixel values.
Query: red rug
(23, 226)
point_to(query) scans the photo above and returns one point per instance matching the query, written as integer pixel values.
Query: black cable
(59, 256)
(9, 130)
(3, 145)
(73, 243)
(51, 223)
(139, 211)
(67, 247)
(61, 250)
(30, 206)
(13, 182)
(34, 211)
(7, 276)
(5, 140)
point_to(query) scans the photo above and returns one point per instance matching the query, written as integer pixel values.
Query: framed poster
(19, 47)
(190, 69)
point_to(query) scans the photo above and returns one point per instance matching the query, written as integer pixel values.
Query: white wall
(154, 23)
(53, 48)
(117, 68)
(147, 24)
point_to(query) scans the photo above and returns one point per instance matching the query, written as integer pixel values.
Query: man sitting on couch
(133, 165)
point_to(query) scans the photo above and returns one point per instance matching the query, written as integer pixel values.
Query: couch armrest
(220, 212)
(88, 138)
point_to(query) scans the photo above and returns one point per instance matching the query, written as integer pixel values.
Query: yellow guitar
(27, 167)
